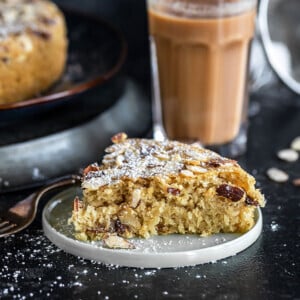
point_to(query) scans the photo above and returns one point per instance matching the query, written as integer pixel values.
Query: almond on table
(295, 145)
(288, 155)
(277, 175)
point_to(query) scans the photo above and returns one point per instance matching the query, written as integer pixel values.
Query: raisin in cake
(146, 187)
(33, 48)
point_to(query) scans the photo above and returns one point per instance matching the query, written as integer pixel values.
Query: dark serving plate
(96, 54)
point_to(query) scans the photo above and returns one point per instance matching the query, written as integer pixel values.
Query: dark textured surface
(31, 267)
(267, 270)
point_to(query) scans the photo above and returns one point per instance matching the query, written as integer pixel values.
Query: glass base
(235, 148)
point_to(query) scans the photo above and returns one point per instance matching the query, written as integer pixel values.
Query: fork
(21, 215)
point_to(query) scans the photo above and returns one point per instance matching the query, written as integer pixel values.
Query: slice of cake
(146, 187)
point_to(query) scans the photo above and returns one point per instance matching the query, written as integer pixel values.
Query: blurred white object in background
(261, 74)
(279, 30)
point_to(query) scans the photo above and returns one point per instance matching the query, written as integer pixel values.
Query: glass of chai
(201, 50)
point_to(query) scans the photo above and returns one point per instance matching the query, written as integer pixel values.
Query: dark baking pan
(96, 54)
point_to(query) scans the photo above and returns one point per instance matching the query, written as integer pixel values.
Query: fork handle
(26, 205)
(55, 183)
(58, 182)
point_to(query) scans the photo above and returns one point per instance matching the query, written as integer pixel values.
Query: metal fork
(21, 215)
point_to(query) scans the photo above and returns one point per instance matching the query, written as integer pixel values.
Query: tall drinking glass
(201, 50)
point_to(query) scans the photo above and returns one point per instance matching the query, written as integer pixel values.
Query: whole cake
(146, 187)
(33, 48)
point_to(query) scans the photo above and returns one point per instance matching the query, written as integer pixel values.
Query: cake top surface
(145, 158)
(17, 16)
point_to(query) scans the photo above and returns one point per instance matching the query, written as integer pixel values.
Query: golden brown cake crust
(146, 187)
(32, 48)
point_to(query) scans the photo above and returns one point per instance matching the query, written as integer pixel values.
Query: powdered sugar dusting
(17, 16)
(141, 158)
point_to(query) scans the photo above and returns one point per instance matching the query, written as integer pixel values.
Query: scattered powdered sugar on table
(33, 259)
(35, 268)
(274, 226)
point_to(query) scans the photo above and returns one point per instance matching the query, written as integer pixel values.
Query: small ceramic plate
(155, 252)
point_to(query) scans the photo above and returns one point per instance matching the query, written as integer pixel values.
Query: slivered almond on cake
(145, 187)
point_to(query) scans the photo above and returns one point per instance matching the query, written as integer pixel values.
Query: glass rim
(191, 9)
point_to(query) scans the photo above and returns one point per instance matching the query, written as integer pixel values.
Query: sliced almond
(161, 156)
(192, 162)
(295, 145)
(176, 157)
(289, 155)
(296, 182)
(21, 58)
(186, 173)
(77, 204)
(10, 15)
(119, 160)
(110, 156)
(26, 43)
(277, 175)
(197, 144)
(107, 161)
(117, 242)
(196, 169)
(136, 197)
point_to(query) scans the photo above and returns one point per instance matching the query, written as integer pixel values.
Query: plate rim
(130, 258)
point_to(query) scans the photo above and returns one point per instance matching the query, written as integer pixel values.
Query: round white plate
(156, 252)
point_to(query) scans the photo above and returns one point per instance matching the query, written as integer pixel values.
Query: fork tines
(6, 225)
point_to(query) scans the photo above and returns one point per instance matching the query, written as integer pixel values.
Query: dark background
(129, 16)
(32, 267)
